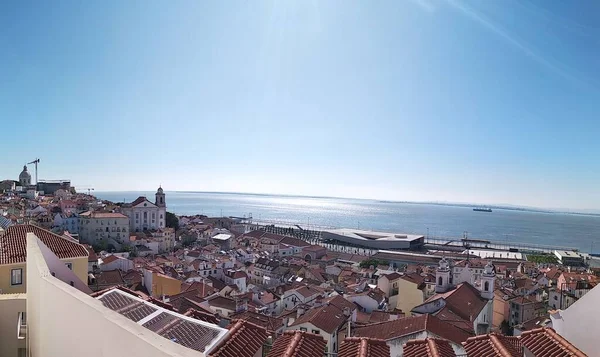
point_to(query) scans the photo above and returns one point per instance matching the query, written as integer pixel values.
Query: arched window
(486, 286)
(440, 281)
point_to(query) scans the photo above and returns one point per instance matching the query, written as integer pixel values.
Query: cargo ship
(482, 209)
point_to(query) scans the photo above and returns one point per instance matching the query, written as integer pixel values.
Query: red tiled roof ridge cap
(432, 347)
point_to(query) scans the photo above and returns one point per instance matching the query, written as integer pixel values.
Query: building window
(137, 215)
(303, 329)
(69, 265)
(161, 216)
(316, 332)
(440, 281)
(487, 286)
(16, 277)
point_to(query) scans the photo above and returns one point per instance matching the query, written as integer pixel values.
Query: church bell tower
(160, 198)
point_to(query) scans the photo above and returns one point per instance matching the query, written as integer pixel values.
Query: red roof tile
(327, 318)
(493, 345)
(202, 315)
(390, 330)
(243, 340)
(429, 347)
(13, 244)
(109, 259)
(363, 347)
(298, 344)
(139, 200)
(546, 342)
(464, 301)
(270, 323)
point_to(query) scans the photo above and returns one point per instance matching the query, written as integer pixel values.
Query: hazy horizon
(421, 100)
(458, 203)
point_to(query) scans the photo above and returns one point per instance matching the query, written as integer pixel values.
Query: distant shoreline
(449, 204)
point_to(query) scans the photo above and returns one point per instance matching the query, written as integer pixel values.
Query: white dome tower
(25, 177)
(487, 281)
(442, 277)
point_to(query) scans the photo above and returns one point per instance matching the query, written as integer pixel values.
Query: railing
(22, 326)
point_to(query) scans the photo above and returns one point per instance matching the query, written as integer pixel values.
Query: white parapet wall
(63, 321)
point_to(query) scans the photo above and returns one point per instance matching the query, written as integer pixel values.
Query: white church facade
(464, 295)
(145, 215)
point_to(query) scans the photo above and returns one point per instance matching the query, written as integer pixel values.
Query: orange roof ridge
(289, 351)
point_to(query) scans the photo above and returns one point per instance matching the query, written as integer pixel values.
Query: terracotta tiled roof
(110, 277)
(429, 347)
(390, 330)
(393, 276)
(546, 342)
(327, 318)
(202, 315)
(494, 345)
(307, 291)
(465, 301)
(298, 344)
(270, 323)
(223, 302)
(472, 263)
(244, 340)
(13, 243)
(109, 259)
(139, 200)
(363, 347)
(294, 242)
(340, 302)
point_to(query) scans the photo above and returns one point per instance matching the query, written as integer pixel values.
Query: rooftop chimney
(299, 312)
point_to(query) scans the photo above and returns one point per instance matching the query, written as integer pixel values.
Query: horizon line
(504, 206)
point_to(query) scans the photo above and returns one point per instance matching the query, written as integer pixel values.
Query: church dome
(24, 174)
(160, 190)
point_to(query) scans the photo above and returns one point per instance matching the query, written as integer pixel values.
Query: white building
(103, 226)
(145, 215)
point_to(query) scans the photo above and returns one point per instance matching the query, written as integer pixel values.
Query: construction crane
(35, 162)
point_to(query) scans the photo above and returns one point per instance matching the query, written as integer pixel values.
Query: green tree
(374, 262)
(172, 221)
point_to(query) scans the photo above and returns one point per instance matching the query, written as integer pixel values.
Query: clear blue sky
(470, 101)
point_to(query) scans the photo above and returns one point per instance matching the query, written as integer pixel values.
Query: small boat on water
(482, 209)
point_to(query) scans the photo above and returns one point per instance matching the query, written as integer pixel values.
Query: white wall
(10, 306)
(62, 321)
(579, 323)
(368, 303)
(123, 264)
